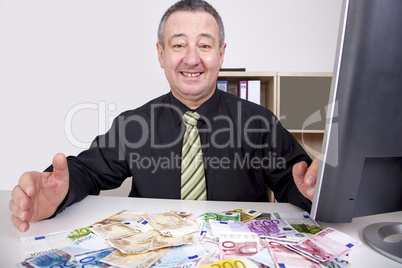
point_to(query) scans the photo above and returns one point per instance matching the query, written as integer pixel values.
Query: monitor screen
(360, 171)
(361, 164)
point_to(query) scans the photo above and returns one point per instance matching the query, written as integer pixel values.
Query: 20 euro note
(325, 245)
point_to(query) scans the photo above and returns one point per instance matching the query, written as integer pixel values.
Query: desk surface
(94, 208)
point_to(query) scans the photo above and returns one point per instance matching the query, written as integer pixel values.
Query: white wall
(98, 57)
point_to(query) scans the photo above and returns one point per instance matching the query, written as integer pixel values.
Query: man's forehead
(180, 21)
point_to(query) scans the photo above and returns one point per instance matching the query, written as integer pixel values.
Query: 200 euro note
(325, 245)
(170, 224)
(242, 262)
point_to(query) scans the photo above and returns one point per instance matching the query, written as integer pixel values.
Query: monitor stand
(375, 235)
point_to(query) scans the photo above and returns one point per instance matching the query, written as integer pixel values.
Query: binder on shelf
(243, 90)
(222, 85)
(254, 91)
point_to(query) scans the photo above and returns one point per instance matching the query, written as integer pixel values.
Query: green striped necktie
(193, 186)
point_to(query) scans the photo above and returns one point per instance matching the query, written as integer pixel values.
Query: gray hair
(191, 5)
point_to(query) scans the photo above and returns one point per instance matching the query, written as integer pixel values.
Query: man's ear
(159, 48)
(222, 53)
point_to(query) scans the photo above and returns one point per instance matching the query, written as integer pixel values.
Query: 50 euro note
(112, 230)
(326, 245)
(169, 224)
(122, 216)
(144, 260)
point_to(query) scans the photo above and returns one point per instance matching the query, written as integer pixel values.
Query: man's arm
(38, 195)
(305, 177)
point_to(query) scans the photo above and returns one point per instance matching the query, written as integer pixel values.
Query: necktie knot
(191, 118)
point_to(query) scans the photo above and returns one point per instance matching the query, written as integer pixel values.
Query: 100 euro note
(246, 214)
(300, 221)
(39, 245)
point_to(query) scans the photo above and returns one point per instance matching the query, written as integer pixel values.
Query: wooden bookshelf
(298, 99)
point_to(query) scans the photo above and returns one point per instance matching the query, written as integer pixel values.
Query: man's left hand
(305, 177)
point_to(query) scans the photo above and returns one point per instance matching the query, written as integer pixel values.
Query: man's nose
(192, 56)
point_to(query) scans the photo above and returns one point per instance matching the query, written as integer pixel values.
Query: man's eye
(205, 46)
(178, 46)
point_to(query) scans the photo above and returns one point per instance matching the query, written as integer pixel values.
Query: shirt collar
(207, 110)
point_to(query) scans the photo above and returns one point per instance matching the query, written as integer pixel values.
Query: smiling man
(237, 148)
(191, 54)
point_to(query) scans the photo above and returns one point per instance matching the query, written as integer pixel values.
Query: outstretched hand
(305, 177)
(38, 195)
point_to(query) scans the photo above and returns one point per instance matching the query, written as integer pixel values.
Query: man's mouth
(191, 74)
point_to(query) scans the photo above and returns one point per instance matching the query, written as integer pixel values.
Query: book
(242, 93)
(222, 85)
(254, 91)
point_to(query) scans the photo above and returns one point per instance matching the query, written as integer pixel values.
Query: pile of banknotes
(237, 238)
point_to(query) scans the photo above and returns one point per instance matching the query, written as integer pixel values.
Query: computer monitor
(360, 170)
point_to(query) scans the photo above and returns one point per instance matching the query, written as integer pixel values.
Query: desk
(94, 208)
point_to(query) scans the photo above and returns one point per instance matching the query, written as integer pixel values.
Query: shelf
(298, 99)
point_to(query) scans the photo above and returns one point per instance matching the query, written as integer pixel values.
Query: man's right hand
(38, 195)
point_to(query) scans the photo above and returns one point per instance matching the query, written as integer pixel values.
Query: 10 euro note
(326, 245)
(238, 245)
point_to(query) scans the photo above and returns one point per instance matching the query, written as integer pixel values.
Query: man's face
(191, 57)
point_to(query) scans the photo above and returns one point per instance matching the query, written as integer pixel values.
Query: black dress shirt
(245, 148)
